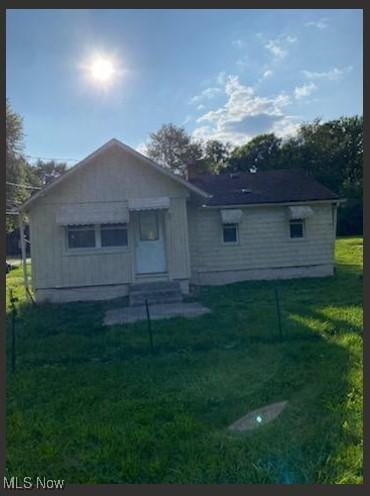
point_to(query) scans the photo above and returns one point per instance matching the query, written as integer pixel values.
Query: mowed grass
(90, 404)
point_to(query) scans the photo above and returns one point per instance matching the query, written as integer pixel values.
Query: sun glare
(102, 70)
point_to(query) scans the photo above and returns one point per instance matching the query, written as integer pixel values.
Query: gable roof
(85, 162)
(270, 186)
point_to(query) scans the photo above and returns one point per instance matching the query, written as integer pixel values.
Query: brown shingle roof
(272, 186)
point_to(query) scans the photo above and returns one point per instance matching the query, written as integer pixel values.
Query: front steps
(155, 293)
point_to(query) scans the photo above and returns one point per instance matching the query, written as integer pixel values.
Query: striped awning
(92, 213)
(231, 216)
(300, 212)
(149, 203)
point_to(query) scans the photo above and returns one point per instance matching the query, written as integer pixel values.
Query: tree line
(331, 151)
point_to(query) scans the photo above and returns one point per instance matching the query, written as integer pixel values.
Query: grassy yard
(90, 404)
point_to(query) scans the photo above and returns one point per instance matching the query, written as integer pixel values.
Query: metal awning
(92, 213)
(149, 203)
(231, 216)
(299, 212)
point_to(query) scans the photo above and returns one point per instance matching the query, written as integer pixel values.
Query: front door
(150, 246)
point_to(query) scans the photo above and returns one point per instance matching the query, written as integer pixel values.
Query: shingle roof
(272, 186)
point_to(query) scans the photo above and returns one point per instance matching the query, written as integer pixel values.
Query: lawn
(90, 404)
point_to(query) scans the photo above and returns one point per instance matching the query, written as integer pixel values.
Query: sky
(221, 74)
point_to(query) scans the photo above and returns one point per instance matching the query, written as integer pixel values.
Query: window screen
(296, 229)
(81, 236)
(230, 233)
(113, 234)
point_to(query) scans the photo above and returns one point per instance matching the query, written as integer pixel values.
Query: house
(118, 218)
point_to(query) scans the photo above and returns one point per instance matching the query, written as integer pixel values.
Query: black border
(211, 489)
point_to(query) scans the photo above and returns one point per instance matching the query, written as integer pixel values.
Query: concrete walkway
(157, 311)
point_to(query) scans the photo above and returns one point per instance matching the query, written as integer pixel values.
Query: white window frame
(297, 221)
(230, 243)
(98, 248)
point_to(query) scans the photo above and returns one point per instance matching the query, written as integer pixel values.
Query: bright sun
(102, 70)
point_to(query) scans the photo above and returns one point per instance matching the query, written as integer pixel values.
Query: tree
(263, 152)
(16, 165)
(216, 155)
(46, 172)
(172, 147)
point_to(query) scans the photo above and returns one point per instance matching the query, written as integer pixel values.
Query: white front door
(150, 246)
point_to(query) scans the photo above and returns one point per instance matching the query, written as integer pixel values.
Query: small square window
(81, 236)
(296, 229)
(230, 233)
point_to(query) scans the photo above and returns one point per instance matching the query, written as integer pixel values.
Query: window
(148, 226)
(113, 234)
(81, 236)
(296, 228)
(97, 236)
(230, 233)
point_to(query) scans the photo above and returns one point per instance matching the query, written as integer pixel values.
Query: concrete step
(155, 293)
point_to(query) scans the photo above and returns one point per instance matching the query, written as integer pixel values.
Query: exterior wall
(265, 250)
(114, 176)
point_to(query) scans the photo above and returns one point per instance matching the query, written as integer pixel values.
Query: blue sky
(223, 74)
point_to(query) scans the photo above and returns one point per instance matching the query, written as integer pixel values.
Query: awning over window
(149, 203)
(92, 213)
(299, 212)
(231, 216)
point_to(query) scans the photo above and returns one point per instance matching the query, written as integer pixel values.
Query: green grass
(90, 404)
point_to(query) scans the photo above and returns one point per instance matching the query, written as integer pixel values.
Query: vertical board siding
(115, 176)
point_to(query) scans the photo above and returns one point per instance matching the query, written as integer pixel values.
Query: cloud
(319, 24)
(267, 73)
(244, 115)
(208, 93)
(142, 148)
(237, 43)
(276, 49)
(305, 90)
(278, 46)
(221, 78)
(332, 74)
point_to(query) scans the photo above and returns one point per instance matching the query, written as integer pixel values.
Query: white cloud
(142, 148)
(276, 49)
(208, 93)
(319, 24)
(201, 107)
(278, 46)
(332, 74)
(305, 90)
(221, 78)
(244, 115)
(267, 73)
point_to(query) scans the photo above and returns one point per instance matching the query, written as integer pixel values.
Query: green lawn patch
(90, 404)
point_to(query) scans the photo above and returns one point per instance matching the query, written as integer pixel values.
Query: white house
(117, 218)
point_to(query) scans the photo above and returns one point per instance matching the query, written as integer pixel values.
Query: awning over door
(92, 213)
(149, 203)
(299, 212)
(231, 216)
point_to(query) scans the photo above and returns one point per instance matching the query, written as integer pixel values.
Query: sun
(102, 70)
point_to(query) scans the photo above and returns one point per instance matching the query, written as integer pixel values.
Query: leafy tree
(46, 172)
(263, 152)
(172, 147)
(16, 165)
(216, 155)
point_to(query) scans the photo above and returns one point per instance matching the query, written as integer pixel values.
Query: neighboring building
(117, 218)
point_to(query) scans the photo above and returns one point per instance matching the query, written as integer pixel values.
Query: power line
(22, 185)
(53, 158)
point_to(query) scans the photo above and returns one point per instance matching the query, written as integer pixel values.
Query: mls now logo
(29, 483)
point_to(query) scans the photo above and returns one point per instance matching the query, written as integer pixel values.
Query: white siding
(264, 241)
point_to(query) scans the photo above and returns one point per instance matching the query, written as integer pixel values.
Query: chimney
(193, 170)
